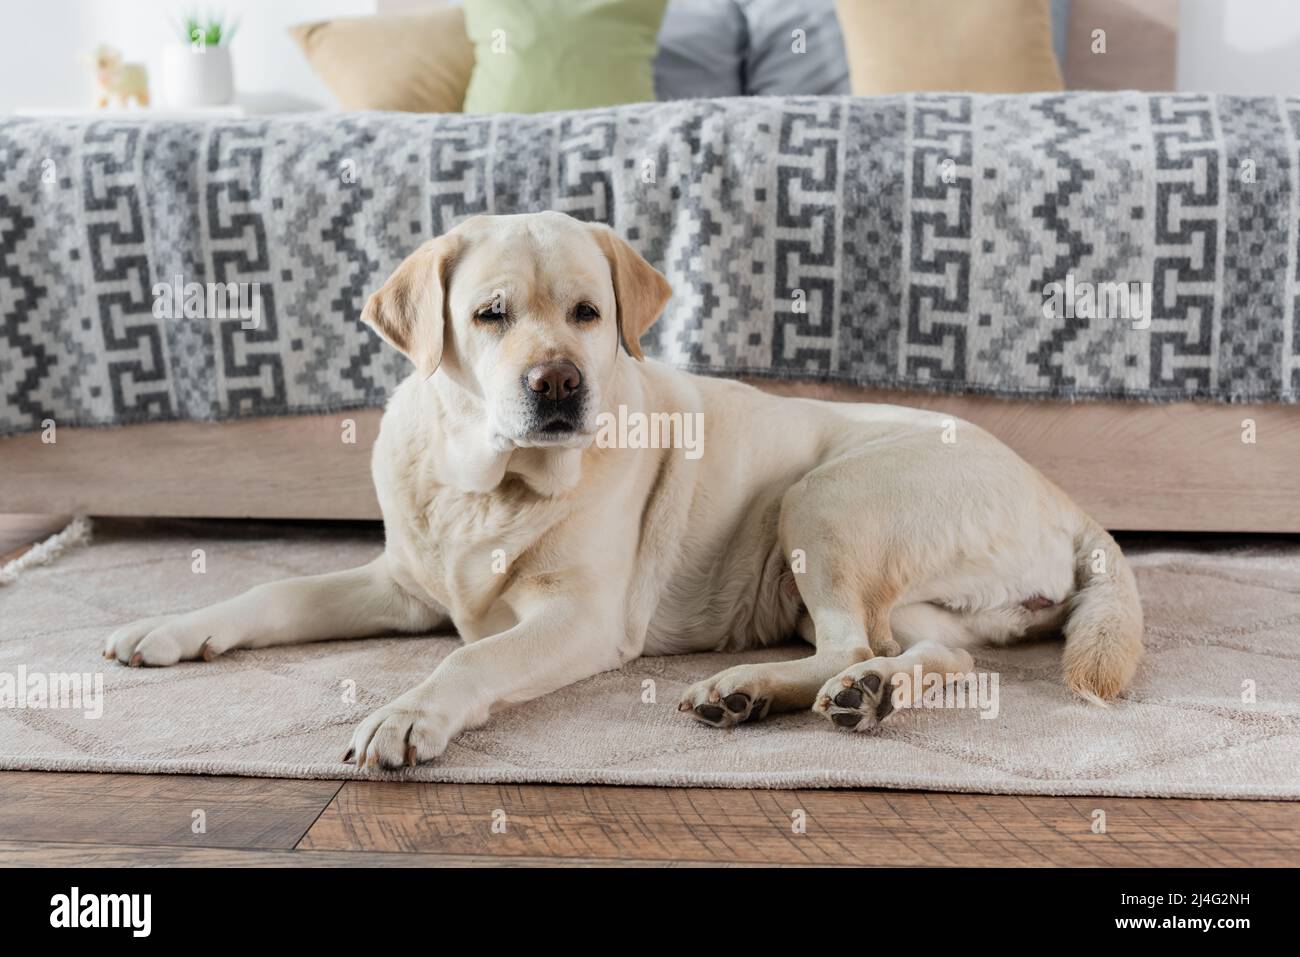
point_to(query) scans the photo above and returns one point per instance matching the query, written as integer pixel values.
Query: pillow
(419, 63)
(537, 55)
(1060, 30)
(993, 46)
(782, 61)
(701, 50)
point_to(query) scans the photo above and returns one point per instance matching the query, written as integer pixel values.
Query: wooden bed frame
(1171, 467)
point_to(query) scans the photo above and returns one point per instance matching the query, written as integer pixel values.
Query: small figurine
(117, 80)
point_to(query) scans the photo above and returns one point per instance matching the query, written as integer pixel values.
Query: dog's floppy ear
(640, 290)
(409, 310)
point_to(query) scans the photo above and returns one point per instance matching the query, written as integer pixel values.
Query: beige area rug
(1223, 619)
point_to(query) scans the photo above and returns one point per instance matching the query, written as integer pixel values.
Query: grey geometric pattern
(1066, 198)
(871, 287)
(1189, 228)
(1291, 327)
(120, 304)
(898, 242)
(938, 238)
(175, 217)
(1260, 197)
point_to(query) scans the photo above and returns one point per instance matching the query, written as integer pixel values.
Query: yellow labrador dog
(556, 556)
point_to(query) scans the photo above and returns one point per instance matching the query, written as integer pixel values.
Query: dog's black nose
(554, 380)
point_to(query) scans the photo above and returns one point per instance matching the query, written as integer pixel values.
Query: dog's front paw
(407, 732)
(160, 641)
(736, 695)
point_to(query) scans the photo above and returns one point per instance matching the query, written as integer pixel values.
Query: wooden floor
(140, 820)
(151, 820)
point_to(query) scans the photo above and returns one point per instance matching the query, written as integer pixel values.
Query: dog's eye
(492, 313)
(585, 312)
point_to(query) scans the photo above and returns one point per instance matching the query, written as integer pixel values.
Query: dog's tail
(1103, 631)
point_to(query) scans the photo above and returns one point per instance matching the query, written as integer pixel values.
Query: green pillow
(537, 55)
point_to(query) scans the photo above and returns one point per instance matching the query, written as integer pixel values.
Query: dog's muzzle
(555, 397)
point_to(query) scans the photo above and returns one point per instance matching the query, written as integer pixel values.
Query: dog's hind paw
(857, 699)
(863, 695)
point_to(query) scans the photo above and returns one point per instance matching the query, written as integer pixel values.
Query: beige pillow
(980, 46)
(418, 63)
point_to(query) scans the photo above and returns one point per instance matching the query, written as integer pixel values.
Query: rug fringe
(77, 532)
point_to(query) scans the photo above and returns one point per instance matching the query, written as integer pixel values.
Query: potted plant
(198, 71)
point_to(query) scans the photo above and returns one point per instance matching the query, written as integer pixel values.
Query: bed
(929, 249)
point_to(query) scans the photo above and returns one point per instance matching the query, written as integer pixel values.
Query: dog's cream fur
(885, 536)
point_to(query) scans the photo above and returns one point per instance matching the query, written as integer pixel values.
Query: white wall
(44, 45)
(1239, 46)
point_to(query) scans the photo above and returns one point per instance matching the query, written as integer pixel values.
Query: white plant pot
(197, 77)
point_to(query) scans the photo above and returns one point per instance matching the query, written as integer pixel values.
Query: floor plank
(144, 820)
(158, 809)
(19, 854)
(842, 827)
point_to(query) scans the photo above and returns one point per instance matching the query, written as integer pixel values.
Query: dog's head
(105, 59)
(526, 312)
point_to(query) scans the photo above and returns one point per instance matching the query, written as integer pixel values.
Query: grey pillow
(1060, 29)
(701, 50)
(772, 65)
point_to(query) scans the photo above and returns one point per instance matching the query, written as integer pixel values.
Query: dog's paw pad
(737, 703)
(855, 703)
(710, 713)
(736, 708)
